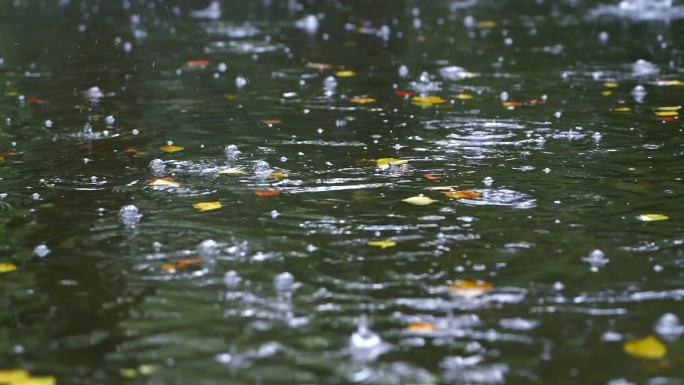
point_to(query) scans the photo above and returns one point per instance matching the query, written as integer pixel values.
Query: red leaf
(267, 192)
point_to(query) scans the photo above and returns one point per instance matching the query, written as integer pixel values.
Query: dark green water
(561, 176)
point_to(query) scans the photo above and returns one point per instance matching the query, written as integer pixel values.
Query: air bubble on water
(222, 67)
(611, 336)
(157, 166)
(488, 181)
(285, 283)
(130, 215)
(453, 73)
(469, 21)
(261, 168)
(157, 246)
(88, 130)
(36, 197)
(639, 93)
(309, 23)
(135, 131)
(213, 11)
(94, 94)
(546, 170)
(384, 32)
(41, 251)
(240, 81)
(603, 37)
(48, 123)
(668, 327)
(275, 214)
(642, 67)
(424, 77)
(208, 248)
(110, 120)
(231, 152)
(232, 278)
(403, 71)
(558, 286)
(128, 46)
(557, 114)
(503, 96)
(364, 344)
(596, 259)
(597, 136)
(508, 41)
(329, 84)
(340, 123)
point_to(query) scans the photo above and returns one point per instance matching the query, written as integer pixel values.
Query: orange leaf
(33, 101)
(431, 176)
(271, 122)
(131, 150)
(183, 263)
(267, 192)
(170, 148)
(467, 194)
(362, 100)
(421, 327)
(512, 104)
(470, 288)
(199, 63)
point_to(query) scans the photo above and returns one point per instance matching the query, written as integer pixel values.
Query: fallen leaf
(667, 113)
(470, 288)
(622, 109)
(170, 148)
(431, 176)
(207, 206)
(607, 93)
(464, 96)
(276, 174)
(404, 94)
(673, 82)
(267, 192)
(199, 63)
(271, 122)
(128, 373)
(466, 194)
(669, 108)
(39, 380)
(426, 101)
(419, 200)
(611, 84)
(385, 163)
(6, 267)
(169, 267)
(382, 244)
(649, 348)
(344, 74)
(485, 24)
(180, 264)
(165, 181)
(362, 100)
(231, 96)
(512, 104)
(131, 150)
(8, 376)
(233, 171)
(421, 327)
(319, 66)
(33, 101)
(652, 217)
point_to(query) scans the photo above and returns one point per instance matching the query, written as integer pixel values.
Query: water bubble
(231, 152)
(596, 260)
(129, 215)
(207, 248)
(275, 214)
(240, 81)
(668, 327)
(644, 68)
(157, 166)
(309, 23)
(557, 114)
(285, 283)
(329, 83)
(94, 94)
(453, 73)
(213, 11)
(424, 77)
(48, 123)
(488, 181)
(603, 37)
(261, 167)
(231, 278)
(403, 71)
(110, 120)
(639, 93)
(222, 67)
(503, 96)
(36, 197)
(41, 251)
(365, 344)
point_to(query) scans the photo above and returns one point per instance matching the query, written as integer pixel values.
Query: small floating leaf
(277, 174)
(199, 63)
(466, 194)
(669, 108)
(667, 113)
(33, 101)
(384, 163)
(464, 96)
(344, 74)
(404, 94)
(426, 101)
(319, 66)
(610, 84)
(233, 171)
(267, 192)
(39, 380)
(207, 206)
(649, 348)
(271, 122)
(607, 93)
(470, 288)
(362, 100)
(432, 176)
(180, 264)
(382, 244)
(170, 148)
(8, 376)
(6, 267)
(652, 217)
(622, 109)
(673, 82)
(485, 24)
(512, 104)
(421, 327)
(166, 181)
(419, 200)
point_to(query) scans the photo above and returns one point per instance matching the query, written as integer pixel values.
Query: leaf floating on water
(180, 264)
(421, 327)
(9, 376)
(427, 101)
(199, 63)
(170, 148)
(39, 380)
(622, 109)
(611, 84)
(384, 163)
(233, 171)
(404, 94)
(33, 101)
(512, 104)
(672, 82)
(271, 122)
(345, 74)
(667, 113)
(231, 96)
(464, 96)
(6, 267)
(652, 217)
(470, 288)
(466, 194)
(382, 244)
(277, 174)
(362, 100)
(166, 181)
(431, 176)
(207, 206)
(319, 66)
(486, 24)
(648, 348)
(669, 108)
(419, 200)
(267, 192)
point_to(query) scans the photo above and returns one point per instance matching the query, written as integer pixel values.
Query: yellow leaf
(622, 109)
(670, 82)
(419, 200)
(470, 288)
(39, 380)
(7, 267)
(233, 171)
(11, 93)
(319, 66)
(344, 74)
(382, 244)
(421, 327)
(165, 181)
(652, 217)
(667, 113)
(467, 194)
(610, 84)
(484, 24)
(362, 100)
(231, 96)
(464, 96)
(11, 375)
(426, 101)
(669, 108)
(607, 93)
(146, 369)
(170, 148)
(276, 174)
(385, 163)
(128, 373)
(207, 206)
(649, 347)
